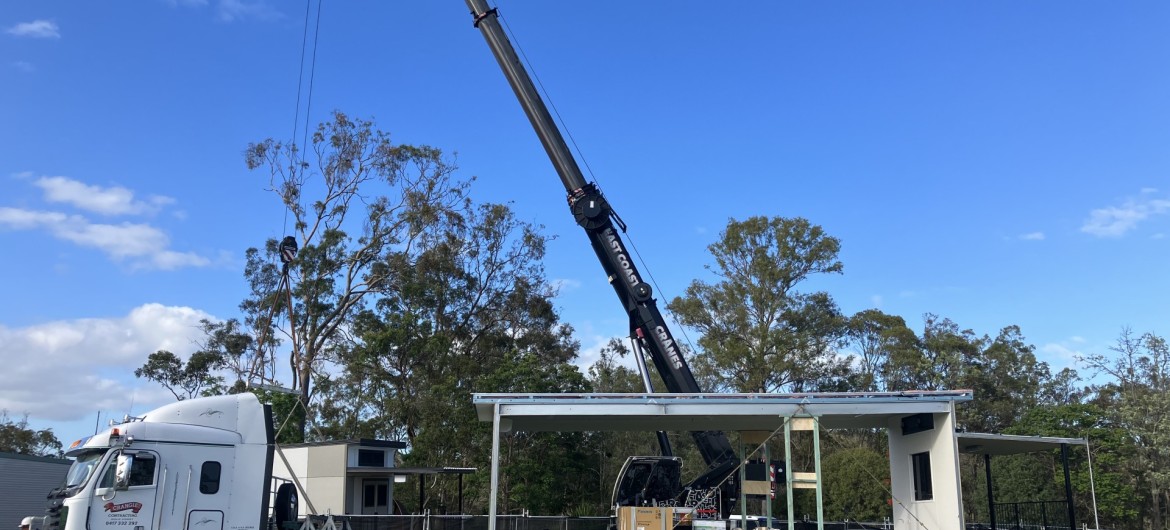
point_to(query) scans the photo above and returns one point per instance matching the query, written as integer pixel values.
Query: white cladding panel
(327, 461)
(328, 494)
(298, 459)
(321, 470)
(944, 510)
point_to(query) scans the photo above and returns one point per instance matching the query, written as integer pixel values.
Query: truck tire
(285, 508)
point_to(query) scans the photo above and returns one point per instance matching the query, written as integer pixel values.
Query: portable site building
(27, 481)
(341, 477)
(352, 477)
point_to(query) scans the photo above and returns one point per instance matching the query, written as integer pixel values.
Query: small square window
(142, 471)
(371, 458)
(209, 478)
(920, 465)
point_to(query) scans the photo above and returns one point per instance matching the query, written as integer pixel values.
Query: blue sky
(992, 162)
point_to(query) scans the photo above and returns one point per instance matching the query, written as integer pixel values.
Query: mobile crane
(652, 480)
(165, 469)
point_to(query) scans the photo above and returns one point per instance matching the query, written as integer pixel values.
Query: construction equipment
(644, 481)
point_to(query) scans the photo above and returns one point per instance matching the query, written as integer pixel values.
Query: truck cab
(200, 464)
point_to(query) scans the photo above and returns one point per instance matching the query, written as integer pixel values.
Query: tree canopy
(758, 332)
(17, 437)
(407, 295)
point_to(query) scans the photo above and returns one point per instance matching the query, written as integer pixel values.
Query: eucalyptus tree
(881, 344)
(759, 332)
(466, 309)
(16, 436)
(195, 377)
(1137, 395)
(354, 197)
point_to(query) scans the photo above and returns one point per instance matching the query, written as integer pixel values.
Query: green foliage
(1118, 503)
(1002, 371)
(1137, 399)
(855, 481)
(17, 437)
(184, 380)
(355, 203)
(884, 347)
(287, 411)
(760, 334)
(236, 351)
(407, 297)
(465, 308)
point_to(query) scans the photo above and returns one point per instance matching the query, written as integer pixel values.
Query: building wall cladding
(26, 481)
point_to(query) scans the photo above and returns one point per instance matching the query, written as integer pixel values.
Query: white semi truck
(199, 464)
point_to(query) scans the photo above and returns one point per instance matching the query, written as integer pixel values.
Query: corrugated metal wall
(24, 483)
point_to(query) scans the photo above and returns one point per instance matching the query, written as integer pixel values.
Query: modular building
(344, 477)
(26, 482)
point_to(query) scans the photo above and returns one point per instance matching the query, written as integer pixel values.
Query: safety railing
(1036, 515)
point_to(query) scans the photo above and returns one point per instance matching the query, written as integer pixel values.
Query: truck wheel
(285, 508)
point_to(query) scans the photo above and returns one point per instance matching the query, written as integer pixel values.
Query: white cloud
(18, 219)
(590, 353)
(171, 260)
(1033, 236)
(1060, 351)
(561, 285)
(141, 245)
(67, 370)
(233, 10)
(1063, 354)
(108, 201)
(37, 29)
(1115, 221)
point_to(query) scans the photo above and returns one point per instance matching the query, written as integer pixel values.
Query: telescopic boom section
(595, 215)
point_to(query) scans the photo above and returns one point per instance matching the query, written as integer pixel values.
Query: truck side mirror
(122, 471)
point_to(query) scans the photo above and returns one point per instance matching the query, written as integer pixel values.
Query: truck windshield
(83, 467)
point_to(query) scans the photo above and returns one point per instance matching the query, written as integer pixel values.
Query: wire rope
(585, 162)
(876, 480)
(547, 97)
(301, 74)
(312, 77)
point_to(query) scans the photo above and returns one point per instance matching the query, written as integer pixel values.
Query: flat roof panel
(1008, 444)
(689, 412)
(387, 471)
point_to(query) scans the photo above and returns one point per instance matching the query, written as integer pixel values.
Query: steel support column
(495, 467)
(1068, 492)
(990, 490)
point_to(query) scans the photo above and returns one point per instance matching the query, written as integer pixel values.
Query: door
(375, 496)
(132, 507)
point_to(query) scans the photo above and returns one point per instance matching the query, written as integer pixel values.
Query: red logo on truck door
(132, 506)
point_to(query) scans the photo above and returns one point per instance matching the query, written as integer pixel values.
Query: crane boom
(594, 213)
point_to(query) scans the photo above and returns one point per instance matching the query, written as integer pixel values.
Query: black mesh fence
(1039, 515)
(461, 522)
(1009, 516)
